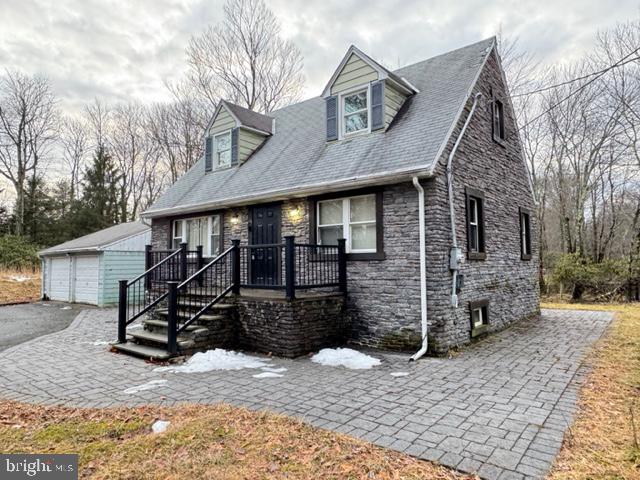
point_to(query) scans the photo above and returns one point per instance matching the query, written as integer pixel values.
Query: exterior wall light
(295, 214)
(235, 219)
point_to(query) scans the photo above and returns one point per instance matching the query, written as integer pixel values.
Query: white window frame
(208, 251)
(175, 237)
(342, 123)
(480, 311)
(474, 212)
(346, 222)
(215, 149)
(210, 234)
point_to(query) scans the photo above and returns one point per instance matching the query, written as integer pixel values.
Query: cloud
(124, 50)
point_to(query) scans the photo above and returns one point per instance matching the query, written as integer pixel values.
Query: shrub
(17, 252)
(581, 274)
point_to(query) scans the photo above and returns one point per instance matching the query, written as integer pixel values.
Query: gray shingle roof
(249, 118)
(99, 239)
(297, 158)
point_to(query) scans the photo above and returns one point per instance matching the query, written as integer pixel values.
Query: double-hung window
(204, 231)
(525, 234)
(351, 218)
(178, 235)
(475, 225)
(355, 112)
(222, 149)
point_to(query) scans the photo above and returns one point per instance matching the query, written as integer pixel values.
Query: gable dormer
(233, 134)
(362, 96)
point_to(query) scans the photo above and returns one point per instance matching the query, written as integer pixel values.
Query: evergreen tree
(99, 203)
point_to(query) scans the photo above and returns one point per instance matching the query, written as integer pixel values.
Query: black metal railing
(191, 287)
(191, 298)
(136, 297)
(293, 266)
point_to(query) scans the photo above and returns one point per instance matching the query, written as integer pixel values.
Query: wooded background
(579, 125)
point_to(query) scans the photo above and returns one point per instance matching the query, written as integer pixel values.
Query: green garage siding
(117, 266)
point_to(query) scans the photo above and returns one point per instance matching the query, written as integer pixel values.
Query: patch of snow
(346, 357)
(218, 359)
(399, 374)
(100, 342)
(19, 278)
(66, 308)
(160, 426)
(145, 386)
(274, 369)
(267, 375)
(133, 327)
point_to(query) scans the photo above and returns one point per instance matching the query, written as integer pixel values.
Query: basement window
(525, 234)
(479, 316)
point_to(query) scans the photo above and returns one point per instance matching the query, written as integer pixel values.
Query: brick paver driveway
(499, 409)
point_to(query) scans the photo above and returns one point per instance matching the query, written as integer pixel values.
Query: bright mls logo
(50, 467)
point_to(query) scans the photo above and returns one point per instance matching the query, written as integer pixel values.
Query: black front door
(265, 229)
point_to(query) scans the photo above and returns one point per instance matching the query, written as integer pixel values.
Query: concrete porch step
(163, 312)
(146, 337)
(164, 324)
(142, 351)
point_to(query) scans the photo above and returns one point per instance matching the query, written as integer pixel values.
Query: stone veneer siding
(383, 301)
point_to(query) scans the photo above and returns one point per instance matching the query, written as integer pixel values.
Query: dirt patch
(19, 287)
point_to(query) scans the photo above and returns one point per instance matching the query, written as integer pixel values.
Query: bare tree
(28, 124)
(74, 139)
(177, 128)
(245, 60)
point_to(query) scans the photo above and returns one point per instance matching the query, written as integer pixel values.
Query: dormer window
(222, 149)
(355, 111)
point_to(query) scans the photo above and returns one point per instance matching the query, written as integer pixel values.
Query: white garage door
(59, 275)
(86, 279)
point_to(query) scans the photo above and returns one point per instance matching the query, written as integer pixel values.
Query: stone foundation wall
(290, 329)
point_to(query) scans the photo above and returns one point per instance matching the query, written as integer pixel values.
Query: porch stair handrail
(213, 282)
(137, 290)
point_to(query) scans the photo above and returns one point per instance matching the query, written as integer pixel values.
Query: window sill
(526, 257)
(481, 330)
(366, 256)
(500, 141)
(213, 170)
(476, 255)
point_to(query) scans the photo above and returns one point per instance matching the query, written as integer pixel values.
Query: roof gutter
(307, 190)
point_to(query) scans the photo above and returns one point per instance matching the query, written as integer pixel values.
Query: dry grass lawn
(603, 441)
(16, 287)
(216, 442)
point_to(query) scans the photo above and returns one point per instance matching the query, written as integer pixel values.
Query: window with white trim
(355, 111)
(178, 227)
(351, 218)
(196, 231)
(215, 235)
(222, 149)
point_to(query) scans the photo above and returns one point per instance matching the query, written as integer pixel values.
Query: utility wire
(595, 75)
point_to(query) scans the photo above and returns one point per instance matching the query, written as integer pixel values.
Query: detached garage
(87, 269)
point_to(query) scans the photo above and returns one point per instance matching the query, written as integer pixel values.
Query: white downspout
(454, 260)
(423, 271)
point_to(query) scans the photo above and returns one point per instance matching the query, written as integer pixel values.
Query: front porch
(286, 299)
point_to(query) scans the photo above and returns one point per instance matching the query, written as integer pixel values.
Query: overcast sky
(127, 49)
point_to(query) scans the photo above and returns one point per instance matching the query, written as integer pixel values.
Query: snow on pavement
(346, 357)
(399, 374)
(145, 386)
(267, 375)
(218, 359)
